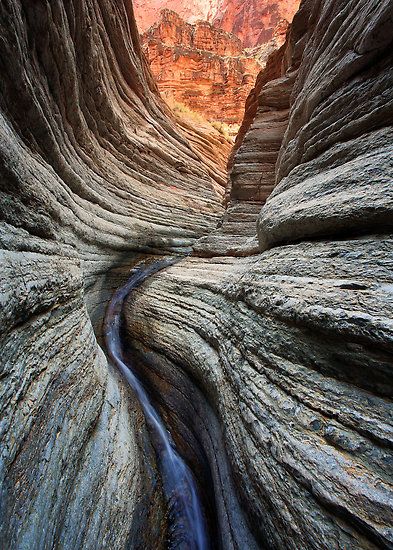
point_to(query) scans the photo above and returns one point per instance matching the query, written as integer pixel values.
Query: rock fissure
(267, 352)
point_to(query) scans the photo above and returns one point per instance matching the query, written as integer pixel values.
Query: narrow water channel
(187, 525)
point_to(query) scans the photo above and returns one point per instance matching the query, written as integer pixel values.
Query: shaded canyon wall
(290, 346)
(94, 172)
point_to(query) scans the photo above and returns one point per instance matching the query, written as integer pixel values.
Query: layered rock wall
(291, 347)
(340, 128)
(254, 21)
(200, 66)
(93, 172)
(251, 21)
(252, 162)
(273, 370)
(146, 13)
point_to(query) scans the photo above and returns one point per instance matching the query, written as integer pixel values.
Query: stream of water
(187, 526)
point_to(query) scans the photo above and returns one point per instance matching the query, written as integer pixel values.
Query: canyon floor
(265, 349)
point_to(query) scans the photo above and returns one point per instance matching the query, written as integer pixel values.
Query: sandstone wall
(93, 172)
(191, 11)
(254, 21)
(291, 347)
(200, 66)
(252, 162)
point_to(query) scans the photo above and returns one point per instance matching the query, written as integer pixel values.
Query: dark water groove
(187, 525)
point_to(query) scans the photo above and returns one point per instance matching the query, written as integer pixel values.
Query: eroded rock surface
(146, 13)
(253, 159)
(200, 66)
(94, 172)
(292, 346)
(273, 370)
(254, 21)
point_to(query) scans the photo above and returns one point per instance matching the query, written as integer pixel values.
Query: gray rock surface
(273, 370)
(293, 350)
(252, 163)
(335, 167)
(292, 346)
(93, 172)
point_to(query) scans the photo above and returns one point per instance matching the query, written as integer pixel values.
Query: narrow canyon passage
(262, 360)
(186, 523)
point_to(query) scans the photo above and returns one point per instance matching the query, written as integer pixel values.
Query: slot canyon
(196, 225)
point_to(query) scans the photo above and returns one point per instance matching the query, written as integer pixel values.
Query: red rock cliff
(254, 21)
(200, 66)
(147, 12)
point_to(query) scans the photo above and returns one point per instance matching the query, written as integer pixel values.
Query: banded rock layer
(253, 158)
(200, 66)
(94, 172)
(291, 347)
(253, 22)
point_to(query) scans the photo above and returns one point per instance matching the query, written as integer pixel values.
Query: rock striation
(289, 349)
(254, 156)
(94, 173)
(200, 66)
(270, 361)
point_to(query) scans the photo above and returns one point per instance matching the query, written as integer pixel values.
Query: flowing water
(187, 526)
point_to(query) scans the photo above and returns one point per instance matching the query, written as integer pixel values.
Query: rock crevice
(94, 171)
(292, 345)
(270, 359)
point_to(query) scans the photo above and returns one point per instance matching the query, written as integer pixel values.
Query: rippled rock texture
(290, 348)
(253, 159)
(200, 66)
(94, 172)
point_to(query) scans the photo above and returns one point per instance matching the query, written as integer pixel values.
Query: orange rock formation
(253, 21)
(200, 66)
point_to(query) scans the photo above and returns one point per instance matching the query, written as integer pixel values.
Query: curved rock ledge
(93, 172)
(293, 350)
(274, 370)
(292, 347)
(334, 172)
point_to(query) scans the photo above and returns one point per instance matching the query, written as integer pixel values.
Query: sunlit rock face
(200, 66)
(94, 172)
(147, 11)
(289, 348)
(254, 21)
